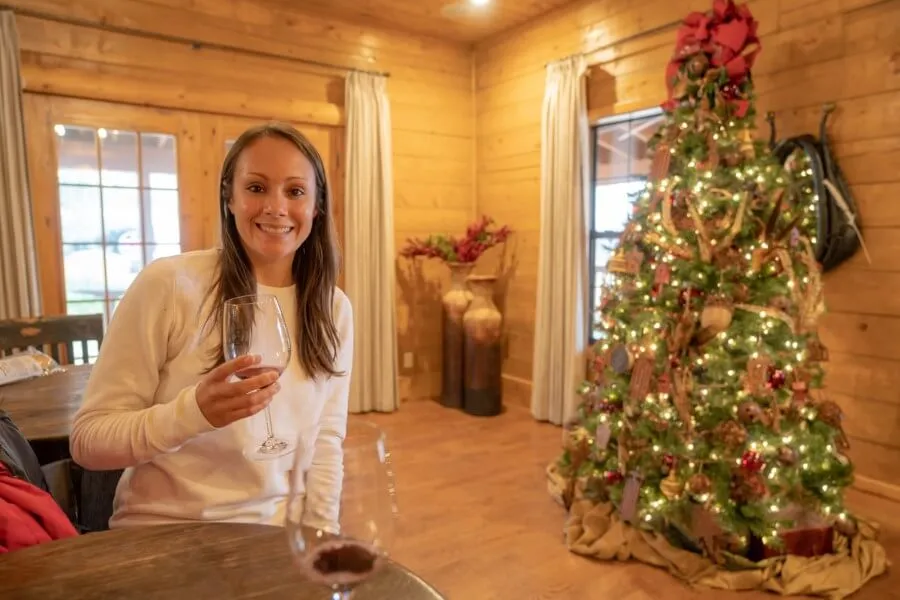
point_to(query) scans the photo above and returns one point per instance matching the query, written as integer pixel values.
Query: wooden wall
(175, 56)
(843, 51)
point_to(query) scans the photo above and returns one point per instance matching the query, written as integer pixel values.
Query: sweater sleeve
(119, 423)
(325, 476)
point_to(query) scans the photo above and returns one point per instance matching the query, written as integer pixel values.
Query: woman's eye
(297, 192)
(255, 188)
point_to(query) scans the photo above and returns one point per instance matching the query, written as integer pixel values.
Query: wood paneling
(838, 51)
(459, 20)
(258, 60)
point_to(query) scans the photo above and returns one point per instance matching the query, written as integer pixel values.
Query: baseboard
(516, 391)
(875, 487)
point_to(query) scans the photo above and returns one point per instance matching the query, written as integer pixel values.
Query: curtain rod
(195, 44)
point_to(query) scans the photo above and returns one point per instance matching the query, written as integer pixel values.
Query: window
(621, 166)
(118, 208)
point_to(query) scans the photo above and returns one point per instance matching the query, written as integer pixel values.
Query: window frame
(595, 234)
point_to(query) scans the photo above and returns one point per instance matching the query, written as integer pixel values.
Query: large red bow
(726, 36)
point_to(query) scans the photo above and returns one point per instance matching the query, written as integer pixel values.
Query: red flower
(478, 239)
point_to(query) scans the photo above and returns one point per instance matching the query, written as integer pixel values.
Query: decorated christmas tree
(705, 419)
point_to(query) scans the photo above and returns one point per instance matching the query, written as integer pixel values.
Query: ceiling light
(478, 2)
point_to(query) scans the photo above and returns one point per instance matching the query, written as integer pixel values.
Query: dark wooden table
(181, 562)
(43, 407)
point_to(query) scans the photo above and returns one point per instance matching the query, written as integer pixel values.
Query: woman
(161, 402)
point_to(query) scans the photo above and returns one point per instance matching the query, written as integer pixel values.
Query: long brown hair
(314, 269)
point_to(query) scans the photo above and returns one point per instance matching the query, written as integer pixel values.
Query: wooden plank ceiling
(466, 21)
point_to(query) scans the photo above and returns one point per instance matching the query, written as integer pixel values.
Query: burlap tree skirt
(594, 530)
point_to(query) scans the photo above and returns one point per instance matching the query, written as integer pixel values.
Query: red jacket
(28, 514)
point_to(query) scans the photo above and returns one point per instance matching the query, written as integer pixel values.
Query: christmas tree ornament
(750, 413)
(699, 484)
(621, 359)
(731, 434)
(717, 314)
(787, 456)
(831, 414)
(628, 506)
(641, 378)
(697, 65)
(618, 262)
(602, 435)
(758, 375)
(671, 487)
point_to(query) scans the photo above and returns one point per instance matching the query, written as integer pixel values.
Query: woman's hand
(223, 402)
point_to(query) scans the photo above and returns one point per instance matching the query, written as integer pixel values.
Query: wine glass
(340, 543)
(255, 325)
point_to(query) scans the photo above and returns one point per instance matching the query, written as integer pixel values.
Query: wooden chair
(56, 336)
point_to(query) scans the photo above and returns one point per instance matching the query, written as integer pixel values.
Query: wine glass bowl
(255, 325)
(340, 536)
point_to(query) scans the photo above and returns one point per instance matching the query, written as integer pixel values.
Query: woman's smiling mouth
(274, 229)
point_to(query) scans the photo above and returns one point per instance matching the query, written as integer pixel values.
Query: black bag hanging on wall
(838, 235)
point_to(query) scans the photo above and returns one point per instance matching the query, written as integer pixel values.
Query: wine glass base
(270, 449)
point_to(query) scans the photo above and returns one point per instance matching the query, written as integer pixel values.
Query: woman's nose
(275, 203)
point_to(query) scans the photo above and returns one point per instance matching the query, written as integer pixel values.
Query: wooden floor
(478, 524)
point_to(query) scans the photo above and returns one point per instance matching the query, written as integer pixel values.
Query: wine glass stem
(342, 595)
(270, 434)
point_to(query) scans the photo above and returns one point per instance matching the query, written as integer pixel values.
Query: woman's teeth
(273, 229)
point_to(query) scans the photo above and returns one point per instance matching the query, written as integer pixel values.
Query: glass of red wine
(255, 325)
(340, 535)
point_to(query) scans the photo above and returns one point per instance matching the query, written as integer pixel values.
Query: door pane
(84, 272)
(80, 214)
(119, 158)
(76, 151)
(123, 263)
(119, 210)
(159, 160)
(122, 216)
(161, 216)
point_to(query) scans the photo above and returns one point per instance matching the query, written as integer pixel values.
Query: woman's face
(273, 202)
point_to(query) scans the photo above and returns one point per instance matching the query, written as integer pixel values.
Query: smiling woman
(162, 401)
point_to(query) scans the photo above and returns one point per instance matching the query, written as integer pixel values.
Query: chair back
(64, 338)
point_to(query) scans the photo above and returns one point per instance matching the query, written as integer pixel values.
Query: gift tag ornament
(602, 435)
(630, 495)
(706, 528)
(621, 359)
(758, 375)
(641, 377)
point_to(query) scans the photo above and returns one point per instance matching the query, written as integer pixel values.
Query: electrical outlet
(408, 360)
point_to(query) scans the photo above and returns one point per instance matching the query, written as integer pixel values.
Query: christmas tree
(705, 419)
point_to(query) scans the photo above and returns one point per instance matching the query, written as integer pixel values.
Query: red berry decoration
(613, 477)
(752, 462)
(777, 378)
(669, 461)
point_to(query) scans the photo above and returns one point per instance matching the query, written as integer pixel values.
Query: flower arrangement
(480, 236)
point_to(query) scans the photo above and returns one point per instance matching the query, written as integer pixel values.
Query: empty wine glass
(255, 325)
(340, 543)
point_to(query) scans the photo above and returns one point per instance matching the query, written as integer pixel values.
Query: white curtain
(561, 323)
(19, 291)
(369, 241)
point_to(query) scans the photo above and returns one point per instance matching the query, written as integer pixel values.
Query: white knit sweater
(140, 412)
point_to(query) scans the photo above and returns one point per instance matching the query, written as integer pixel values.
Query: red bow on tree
(724, 39)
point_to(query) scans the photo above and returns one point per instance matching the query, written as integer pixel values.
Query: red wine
(254, 371)
(340, 563)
